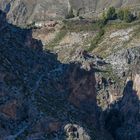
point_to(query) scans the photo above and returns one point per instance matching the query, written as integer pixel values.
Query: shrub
(70, 14)
(128, 16)
(111, 13)
(104, 18)
(125, 15)
(80, 17)
(120, 14)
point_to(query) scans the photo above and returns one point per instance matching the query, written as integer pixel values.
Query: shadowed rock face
(38, 94)
(28, 11)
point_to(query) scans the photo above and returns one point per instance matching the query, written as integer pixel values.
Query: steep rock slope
(122, 118)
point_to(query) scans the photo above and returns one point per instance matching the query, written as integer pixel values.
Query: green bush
(120, 14)
(111, 14)
(125, 15)
(128, 16)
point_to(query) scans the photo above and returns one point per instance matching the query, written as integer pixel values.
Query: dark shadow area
(122, 119)
(33, 77)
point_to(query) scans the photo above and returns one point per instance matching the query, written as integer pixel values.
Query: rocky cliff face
(124, 112)
(24, 12)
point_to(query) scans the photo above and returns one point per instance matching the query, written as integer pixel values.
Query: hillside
(69, 79)
(27, 11)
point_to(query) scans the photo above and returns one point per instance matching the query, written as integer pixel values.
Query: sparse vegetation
(122, 14)
(60, 35)
(96, 40)
(121, 25)
(101, 31)
(84, 25)
(98, 26)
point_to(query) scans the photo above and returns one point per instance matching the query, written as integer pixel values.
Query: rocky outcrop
(76, 132)
(122, 116)
(122, 60)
